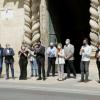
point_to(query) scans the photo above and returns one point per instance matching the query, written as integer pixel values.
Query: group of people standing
(58, 57)
(36, 57)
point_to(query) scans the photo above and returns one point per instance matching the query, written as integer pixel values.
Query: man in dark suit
(1, 59)
(40, 57)
(9, 60)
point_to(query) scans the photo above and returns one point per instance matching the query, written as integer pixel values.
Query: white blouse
(60, 60)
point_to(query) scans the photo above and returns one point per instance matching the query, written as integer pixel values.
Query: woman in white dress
(60, 61)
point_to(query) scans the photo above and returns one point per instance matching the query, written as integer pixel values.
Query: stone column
(94, 22)
(44, 27)
(44, 23)
(27, 24)
(32, 22)
(35, 20)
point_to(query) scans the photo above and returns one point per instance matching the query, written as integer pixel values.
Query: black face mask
(84, 44)
(51, 46)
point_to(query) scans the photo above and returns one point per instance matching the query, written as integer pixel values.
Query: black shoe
(81, 80)
(47, 75)
(20, 78)
(39, 78)
(68, 77)
(44, 79)
(58, 79)
(87, 80)
(99, 81)
(53, 75)
(74, 77)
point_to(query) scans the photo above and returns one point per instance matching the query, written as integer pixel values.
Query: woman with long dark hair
(23, 61)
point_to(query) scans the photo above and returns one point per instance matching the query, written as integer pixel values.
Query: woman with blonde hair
(60, 61)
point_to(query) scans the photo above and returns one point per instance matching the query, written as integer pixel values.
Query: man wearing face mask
(69, 58)
(51, 53)
(85, 52)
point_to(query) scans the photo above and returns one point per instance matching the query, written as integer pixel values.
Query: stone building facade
(27, 21)
(13, 23)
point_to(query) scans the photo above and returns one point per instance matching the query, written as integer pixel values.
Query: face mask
(67, 43)
(51, 46)
(84, 43)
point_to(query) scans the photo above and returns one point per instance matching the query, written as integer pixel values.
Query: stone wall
(12, 29)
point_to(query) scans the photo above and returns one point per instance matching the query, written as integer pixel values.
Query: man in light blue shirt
(51, 52)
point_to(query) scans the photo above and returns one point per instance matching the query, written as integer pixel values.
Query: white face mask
(67, 42)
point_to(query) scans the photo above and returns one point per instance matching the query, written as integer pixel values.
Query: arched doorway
(70, 19)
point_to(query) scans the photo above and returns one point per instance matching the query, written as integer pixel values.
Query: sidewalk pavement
(52, 81)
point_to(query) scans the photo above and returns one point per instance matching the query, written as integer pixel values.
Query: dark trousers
(1, 63)
(41, 67)
(84, 69)
(7, 69)
(51, 64)
(70, 67)
(98, 66)
(23, 69)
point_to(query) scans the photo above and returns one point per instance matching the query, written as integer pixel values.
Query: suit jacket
(8, 54)
(69, 51)
(40, 52)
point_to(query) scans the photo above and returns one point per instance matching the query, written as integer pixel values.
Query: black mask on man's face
(84, 44)
(51, 46)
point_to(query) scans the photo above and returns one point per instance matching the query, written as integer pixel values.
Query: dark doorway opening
(70, 19)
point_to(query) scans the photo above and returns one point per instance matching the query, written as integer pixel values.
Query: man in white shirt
(51, 52)
(85, 52)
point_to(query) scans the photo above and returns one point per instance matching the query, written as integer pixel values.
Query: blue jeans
(84, 69)
(1, 63)
(34, 67)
